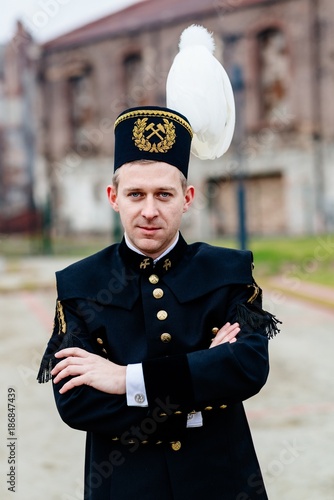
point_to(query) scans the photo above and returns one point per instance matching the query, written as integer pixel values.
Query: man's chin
(149, 246)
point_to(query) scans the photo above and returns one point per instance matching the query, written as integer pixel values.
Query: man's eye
(165, 195)
(134, 195)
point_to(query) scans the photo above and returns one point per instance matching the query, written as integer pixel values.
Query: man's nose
(150, 209)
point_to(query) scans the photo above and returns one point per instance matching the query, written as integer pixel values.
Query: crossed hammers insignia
(144, 263)
(155, 130)
(167, 264)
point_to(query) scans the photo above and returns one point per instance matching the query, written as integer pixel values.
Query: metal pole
(239, 94)
(318, 156)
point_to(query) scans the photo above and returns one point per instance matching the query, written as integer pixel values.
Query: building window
(273, 72)
(135, 92)
(81, 106)
(264, 195)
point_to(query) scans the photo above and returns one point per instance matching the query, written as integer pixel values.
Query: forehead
(152, 174)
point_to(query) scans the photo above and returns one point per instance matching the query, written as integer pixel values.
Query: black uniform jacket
(120, 305)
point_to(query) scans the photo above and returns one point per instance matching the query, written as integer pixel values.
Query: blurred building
(280, 58)
(18, 124)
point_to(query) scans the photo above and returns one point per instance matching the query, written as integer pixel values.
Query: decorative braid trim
(152, 112)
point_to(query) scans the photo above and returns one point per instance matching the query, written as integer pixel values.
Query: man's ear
(112, 197)
(188, 198)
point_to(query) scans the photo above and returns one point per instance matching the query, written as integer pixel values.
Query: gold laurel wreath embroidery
(61, 318)
(145, 145)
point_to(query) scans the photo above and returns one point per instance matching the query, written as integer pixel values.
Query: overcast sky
(46, 19)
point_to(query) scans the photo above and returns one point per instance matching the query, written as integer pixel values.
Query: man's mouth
(149, 228)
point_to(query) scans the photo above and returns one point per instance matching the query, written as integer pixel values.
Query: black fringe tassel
(256, 318)
(47, 365)
(49, 361)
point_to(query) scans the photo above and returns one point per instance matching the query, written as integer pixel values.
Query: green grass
(305, 258)
(80, 246)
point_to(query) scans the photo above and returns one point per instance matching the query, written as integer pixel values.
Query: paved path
(293, 416)
(292, 419)
(318, 294)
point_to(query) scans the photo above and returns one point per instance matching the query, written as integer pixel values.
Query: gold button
(165, 337)
(99, 341)
(215, 330)
(176, 445)
(153, 279)
(158, 293)
(207, 408)
(161, 315)
(223, 407)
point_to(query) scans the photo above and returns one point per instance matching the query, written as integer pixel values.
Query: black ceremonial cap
(153, 133)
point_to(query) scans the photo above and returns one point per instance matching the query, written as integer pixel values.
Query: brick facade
(283, 145)
(18, 211)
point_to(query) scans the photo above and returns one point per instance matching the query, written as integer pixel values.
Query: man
(156, 343)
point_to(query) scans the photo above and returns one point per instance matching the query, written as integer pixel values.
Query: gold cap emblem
(162, 134)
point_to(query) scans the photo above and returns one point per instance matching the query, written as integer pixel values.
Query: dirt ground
(292, 419)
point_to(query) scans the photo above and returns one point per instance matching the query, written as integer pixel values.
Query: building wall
(284, 139)
(17, 134)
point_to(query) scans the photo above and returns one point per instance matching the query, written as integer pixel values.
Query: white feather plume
(199, 88)
(197, 35)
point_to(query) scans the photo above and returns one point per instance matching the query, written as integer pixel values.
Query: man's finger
(226, 334)
(74, 382)
(72, 351)
(69, 371)
(71, 360)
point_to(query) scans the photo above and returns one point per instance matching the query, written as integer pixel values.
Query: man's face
(151, 201)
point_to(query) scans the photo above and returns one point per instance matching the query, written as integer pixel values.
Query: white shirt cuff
(194, 419)
(135, 386)
(136, 393)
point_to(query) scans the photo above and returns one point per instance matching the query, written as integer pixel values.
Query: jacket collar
(142, 264)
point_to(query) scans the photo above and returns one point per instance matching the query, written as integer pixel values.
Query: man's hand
(89, 369)
(227, 333)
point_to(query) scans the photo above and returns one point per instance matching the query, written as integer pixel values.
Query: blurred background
(67, 69)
